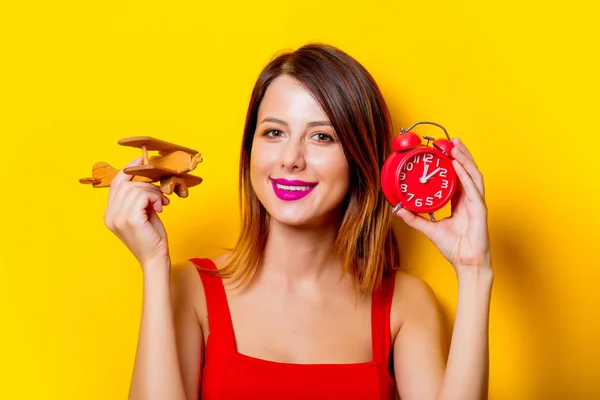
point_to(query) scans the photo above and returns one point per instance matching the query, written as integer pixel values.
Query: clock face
(426, 180)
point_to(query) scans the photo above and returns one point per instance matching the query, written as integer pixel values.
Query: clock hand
(423, 179)
(432, 174)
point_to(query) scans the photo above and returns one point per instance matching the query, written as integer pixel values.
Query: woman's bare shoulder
(187, 289)
(184, 274)
(186, 284)
(411, 286)
(413, 297)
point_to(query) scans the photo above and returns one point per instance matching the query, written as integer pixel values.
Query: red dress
(229, 375)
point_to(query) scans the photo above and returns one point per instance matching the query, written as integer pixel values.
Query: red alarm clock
(419, 177)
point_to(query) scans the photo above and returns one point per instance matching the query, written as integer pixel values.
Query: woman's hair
(365, 243)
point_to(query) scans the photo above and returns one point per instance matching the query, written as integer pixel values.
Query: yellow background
(515, 80)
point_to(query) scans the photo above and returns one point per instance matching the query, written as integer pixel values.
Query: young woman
(310, 304)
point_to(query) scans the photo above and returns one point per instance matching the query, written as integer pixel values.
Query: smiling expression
(298, 168)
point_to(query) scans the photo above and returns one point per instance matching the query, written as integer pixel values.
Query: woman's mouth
(290, 190)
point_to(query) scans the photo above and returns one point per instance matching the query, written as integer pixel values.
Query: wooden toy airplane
(170, 167)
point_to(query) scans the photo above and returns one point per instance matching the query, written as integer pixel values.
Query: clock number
(403, 188)
(402, 176)
(443, 172)
(409, 166)
(438, 194)
(418, 202)
(438, 163)
(410, 196)
(417, 158)
(427, 158)
(429, 201)
(444, 184)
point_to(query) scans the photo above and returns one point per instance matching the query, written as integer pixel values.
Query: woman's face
(297, 168)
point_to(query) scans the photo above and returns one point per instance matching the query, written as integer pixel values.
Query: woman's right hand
(131, 214)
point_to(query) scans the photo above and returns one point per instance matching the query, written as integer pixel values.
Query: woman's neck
(300, 253)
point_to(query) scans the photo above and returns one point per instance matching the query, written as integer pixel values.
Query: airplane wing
(90, 181)
(153, 144)
(191, 180)
(150, 171)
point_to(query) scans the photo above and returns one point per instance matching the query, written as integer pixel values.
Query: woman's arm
(170, 345)
(168, 355)
(420, 365)
(463, 240)
(467, 370)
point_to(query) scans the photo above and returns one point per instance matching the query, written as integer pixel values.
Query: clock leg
(432, 217)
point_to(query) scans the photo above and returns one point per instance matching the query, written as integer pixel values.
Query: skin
(297, 309)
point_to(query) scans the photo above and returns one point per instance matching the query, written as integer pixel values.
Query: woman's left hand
(463, 237)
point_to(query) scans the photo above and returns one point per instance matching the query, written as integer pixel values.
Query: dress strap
(219, 317)
(381, 305)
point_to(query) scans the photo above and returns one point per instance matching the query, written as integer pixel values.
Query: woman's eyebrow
(275, 120)
(318, 123)
(310, 124)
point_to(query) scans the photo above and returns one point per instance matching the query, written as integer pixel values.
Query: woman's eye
(322, 137)
(273, 133)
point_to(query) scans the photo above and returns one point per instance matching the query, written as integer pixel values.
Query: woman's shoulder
(189, 267)
(186, 284)
(192, 263)
(408, 286)
(413, 299)
(185, 273)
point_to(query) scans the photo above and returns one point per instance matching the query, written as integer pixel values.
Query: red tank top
(229, 375)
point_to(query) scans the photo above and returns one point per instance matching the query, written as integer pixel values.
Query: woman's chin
(291, 220)
(301, 213)
(294, 216)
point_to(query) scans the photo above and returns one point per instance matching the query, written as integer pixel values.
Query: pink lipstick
(290, 190)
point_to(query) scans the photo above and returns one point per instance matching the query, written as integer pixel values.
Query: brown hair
(365, 243)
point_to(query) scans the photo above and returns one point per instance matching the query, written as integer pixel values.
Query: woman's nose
(292, 157)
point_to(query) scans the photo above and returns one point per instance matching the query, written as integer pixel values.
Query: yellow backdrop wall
(515, 80)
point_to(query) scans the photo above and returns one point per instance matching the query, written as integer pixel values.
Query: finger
(120, 177)
(461, 145)
(459, 193)
(136, 206)
(157, 203)
(125, 188)
(416, 221)
(122, 205)
(156, 199)
(468, 185)
(469, 165)
(159, 200)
